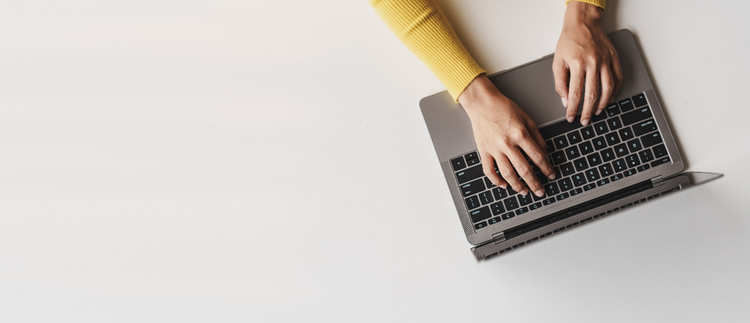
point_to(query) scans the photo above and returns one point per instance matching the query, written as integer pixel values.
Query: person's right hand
(502, 130)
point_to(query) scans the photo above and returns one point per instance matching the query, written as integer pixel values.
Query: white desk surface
(266, 161)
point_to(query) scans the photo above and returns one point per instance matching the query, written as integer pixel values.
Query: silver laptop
(625, 156)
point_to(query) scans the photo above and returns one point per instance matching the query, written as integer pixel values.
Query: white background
(266, 161)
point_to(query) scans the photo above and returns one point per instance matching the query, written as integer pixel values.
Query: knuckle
(525, 172)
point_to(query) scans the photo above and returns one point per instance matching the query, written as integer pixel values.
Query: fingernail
(540, 193)
(585, 122)
(552, 177)
(570, 119)
(598, 112)
(564, 102)
(503, 186)
(524, 192)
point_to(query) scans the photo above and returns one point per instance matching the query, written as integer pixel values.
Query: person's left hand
(585, 53)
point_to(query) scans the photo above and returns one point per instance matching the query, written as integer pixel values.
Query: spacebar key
(469, 174)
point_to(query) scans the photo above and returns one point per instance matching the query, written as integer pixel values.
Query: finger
(525, 171)
(608, 87)
(537, 150)
(561, 80)
(488, 165)
(617, 73)
(574, 94)
(591, 96)
(507, 172)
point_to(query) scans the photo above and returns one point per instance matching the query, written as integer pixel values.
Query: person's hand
(502, 131)
(585, 53)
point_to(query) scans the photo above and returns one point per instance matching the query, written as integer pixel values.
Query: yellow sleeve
(424, 29)
(599, 3)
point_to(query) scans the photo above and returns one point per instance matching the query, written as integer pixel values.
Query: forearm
(424, 29)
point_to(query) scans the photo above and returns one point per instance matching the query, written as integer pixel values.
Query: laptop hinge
(498, 237)
(657, 181)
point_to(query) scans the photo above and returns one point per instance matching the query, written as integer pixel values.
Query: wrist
(582, 12)
(480, 89)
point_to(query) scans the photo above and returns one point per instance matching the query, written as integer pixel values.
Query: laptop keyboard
(620, 142)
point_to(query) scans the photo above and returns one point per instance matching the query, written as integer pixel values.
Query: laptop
(625, 156)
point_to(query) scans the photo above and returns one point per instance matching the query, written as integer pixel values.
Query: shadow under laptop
(601, 207)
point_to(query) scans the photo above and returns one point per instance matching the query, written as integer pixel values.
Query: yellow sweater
(424, 29)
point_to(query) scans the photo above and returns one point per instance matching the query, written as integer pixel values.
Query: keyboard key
(588, 133)
(542, 178)
(550, 146)
(480, 225)
(469, 174)
(499, 193)
(644, 127)
(632, 160)
(562, 196)
(589, 186)
(560, 142)
(574, 137)
(511, 203)
(651, 139)
(629, 172)
(535, 206)
(551, 189)
(458, 163)
(497, 208)
(559, 128)
(594, 159)
(576, 191)
(660, 151)
(580, 164)
(612, 138)
(640, 100)
(616, 177)
(586, 148)
(488, 183)
(511, 192)
(614, 123)
(480, 214)
(601, 128)
(603, 181)
(494, 220)
(525, 200)
(634, 145)
(626, 134)
(608, 154)
(508, 215)
(621, 150)
(486, 197)
(472, 188)
(606, 170)
(472, 162)
(558, 157)
(522, 210)
(578, 179)
(471, 155)
(567, 169)
(626, 105)
(646, 156)
(599, 143)
(472, 202)
(592, 174)
(660, 161)
(572, 152)
(643, 167)
(619, 165)
(565, 184)
(596, 118)
(549, 201)
(612, 109)
(636, 115)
